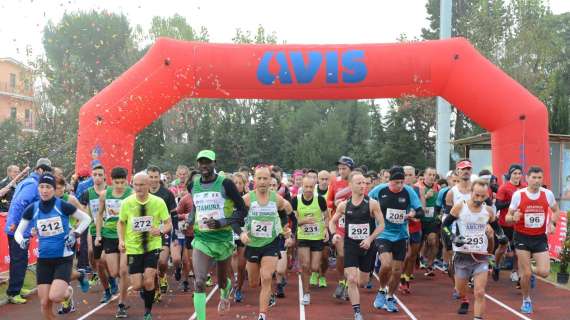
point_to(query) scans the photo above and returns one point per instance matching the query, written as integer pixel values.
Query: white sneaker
(515, 276)
(306, 299)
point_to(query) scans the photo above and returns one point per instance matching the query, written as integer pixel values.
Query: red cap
(83, 173)
(464, 164)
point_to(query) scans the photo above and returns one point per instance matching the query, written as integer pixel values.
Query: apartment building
(16, 93)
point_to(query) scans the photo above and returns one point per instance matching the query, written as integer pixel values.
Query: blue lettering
(332, 67)
(355, 68)
(263, 74)
(305, 73)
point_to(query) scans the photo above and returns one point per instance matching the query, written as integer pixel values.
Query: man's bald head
(141, 185)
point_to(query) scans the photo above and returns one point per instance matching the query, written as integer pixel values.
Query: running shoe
(338, 291)
(147, 316)
(369, 283)
(429, 272)
(306, 299)
(17, 299)
(405, 287)
(209, 281)
(224, 305)
(471, 284)
(83, 282)
(463, 308)
(238, 296)
(532, 281)
(113, 286)
(157, 296)
(423, 264)
(106, 297)
(178, 274)
(94, 280)
(121, 311)
(68, 305)
(455, 295)
(344, 295)
(444, 267)
(526, 307)
(280, 292)
(272, 300)
(313, 281)
(391, 305)
(322, 282)
(358, 316)
(380, 300)
(163, 284)
(261, 316)
(518, 285)
(25, 292)
(515, 276)
(185, 286)
(496, 273)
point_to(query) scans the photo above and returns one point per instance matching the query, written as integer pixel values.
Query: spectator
(8, 186)
(26, 193)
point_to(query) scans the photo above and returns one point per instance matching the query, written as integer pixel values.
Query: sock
(261, 316)
(356, 308)
(81, 276)
(200, 305)
(389, 296)
(526, 299)
(382, 290)
(225, 292)
(148, 300)
(121, 305)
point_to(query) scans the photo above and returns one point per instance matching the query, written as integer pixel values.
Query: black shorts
(430, 227)
(238, 243)
(508, 231)
(415, 237)
(314, 245)
(397, 248)
(97, 250)
(254, 254)
(110, 245)
(166, 240)
(354, 256)
(50, 269)
(188, 242)
(533, 244)
(139, 262)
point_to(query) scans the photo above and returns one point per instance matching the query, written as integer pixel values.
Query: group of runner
(238, 227)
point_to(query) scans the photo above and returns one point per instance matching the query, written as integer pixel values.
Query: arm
(503, 240)
(448, 201)
(83, 220)
(73, 201)
(121, 233)
(19, 234)
(99, 219)
(25, 196)
(238, 216)
(338, 213)
(376, 212)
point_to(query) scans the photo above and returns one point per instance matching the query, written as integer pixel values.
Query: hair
(60, 181)
(182, 167)
(479, 182)
(244, 168)
(421, 173)
(153, 169)
(372, 174)
(98, 167)
(442, 182)
(355, 173)
(119, 173)
(276, 168)
(534, 169)
(485, 172)
(11, 167)
(312, 171)
(241, 176)
(409, 168)
(430, 168)
(359, 170)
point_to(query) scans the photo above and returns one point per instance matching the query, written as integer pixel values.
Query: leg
(113, 261)
(268, 267)
(175, 253)
(385, 269)
(480, 281)
(241, 266)
(163, 261)
(431, 247)
(352, 275)
(340, 258)
(324, 261)
(124, 278)
(46, 304)
(149, 277)
(59, 291)
(542, 264)
(136, 281)
(200, 264)
(225, 284)
(316, 261)
(304, 256)
(523, 257)
(394, 277)
(18, 267)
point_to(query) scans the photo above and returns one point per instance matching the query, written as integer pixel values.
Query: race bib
(180, 230)
(142, 224)
(395, 216)
(341, 222)
(430, 211)
(206, 215)
(112, 206)
(50, 227)
(311, 229)
(262, 229)
(533, 220)
(94, 207)
(475, 238)
(359, 231)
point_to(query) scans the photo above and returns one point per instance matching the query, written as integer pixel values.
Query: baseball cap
(464, 164)
(43, 162)
(208, 154)
(347, 161)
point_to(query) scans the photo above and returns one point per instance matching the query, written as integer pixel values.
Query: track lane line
(101, 306)
(301, 305)
(406, 310)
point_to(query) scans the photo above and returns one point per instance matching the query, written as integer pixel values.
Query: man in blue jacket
(25, 194)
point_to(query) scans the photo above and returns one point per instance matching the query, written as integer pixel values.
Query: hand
(458, 241)
(289, 242)
(517, 215)
(156, 232)
(25, 244)
(286, 232)
(113, 212)
(503, 240)
(122, 245)
(70, 240)
(336, 238)
(213, 224)
(12, 227)
(97, 241)
(429, 194)
(244, 238)
(365, 244)
(411, 214)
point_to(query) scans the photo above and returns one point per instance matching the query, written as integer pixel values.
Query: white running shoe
(306, 299)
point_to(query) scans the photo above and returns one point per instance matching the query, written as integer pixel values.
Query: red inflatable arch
(173, 70)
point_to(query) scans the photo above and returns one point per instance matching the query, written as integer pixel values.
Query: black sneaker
(272, 300)
(280, 292)
(496, 272)
(121, 312)
(185, 286)
(178, 274)
(463, 308)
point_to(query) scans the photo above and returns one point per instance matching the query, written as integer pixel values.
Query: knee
(479, 293)
(56, 297)
(45, 303)
(149, 283)
(432, 241)
(352, 279)
(397, 268)
(543, 272)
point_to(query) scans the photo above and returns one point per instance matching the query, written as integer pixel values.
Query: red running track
(430, 299)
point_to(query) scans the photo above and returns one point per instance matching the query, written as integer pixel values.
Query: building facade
(16, 94)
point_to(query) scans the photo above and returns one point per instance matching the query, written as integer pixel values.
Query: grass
(29, 283)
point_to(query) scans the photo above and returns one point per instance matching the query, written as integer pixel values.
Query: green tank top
(429, 215)
(111, 213)
(210, 201)
(262, 222)
(72, 220)
(315, 231)
(93, 208)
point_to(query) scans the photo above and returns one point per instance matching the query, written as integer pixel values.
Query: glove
(458, 240)
(503, 240)
(25, 244)
(70, 240)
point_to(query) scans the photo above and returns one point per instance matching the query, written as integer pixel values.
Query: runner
(183, 210)
(470, 243)
(452, 180)
(171, 247)
(323, 191)
(529, 213)
(311, 212)
(238, 258)
(430, 222)
(263, 225)
(217, 203)
(338, 192)
(362, 214)
(49, 217)
(143, 218)
(504, 195)
(415, 239)
(396, 199)
(107, 237)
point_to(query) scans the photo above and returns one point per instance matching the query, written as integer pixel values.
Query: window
(13, 113)
(28, 123)
(12, 80)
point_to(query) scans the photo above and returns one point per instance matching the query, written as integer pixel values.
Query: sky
(295, 21)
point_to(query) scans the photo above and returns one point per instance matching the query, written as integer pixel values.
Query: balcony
(20, 91)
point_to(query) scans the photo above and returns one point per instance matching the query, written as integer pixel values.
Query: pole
(443, 138)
